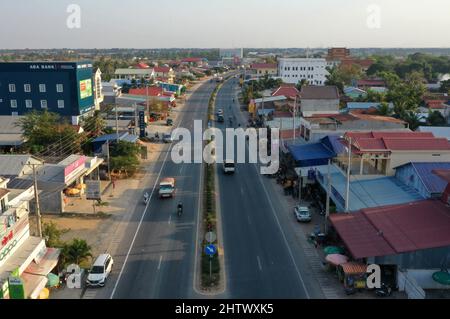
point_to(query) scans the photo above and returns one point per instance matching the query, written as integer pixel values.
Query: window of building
(28, 104)
(27, 88)
(59, 88)
(14, 103)
(42, 88)
(44, 104)
(60, 104)
(12, 88)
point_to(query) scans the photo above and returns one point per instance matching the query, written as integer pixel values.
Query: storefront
(25, 261)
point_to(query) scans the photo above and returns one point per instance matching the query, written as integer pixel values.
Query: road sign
(210, 250)
(93, 190)
(210, 237)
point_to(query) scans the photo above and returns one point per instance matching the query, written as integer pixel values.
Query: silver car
(302, 213)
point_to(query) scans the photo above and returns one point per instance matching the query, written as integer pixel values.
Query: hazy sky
(225, 23)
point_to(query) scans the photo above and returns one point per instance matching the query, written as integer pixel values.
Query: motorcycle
(180, 210)
(383, 291)
(146, 198)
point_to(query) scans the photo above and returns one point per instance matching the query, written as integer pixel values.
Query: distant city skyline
(138, 24)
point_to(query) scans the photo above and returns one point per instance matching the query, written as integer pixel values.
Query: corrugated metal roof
(13, 165)
(370, 192)
(310, 152)
(394, 229)
(432, 182)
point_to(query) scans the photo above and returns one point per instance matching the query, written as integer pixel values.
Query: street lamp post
(347, 193)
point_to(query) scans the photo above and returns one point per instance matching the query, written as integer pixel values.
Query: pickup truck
(167, 187)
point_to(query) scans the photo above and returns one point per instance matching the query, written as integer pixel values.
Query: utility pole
(107, 155)
(295, 107)
(36, 198)
(347, 193)
(117, 125)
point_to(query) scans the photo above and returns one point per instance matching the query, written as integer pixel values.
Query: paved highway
(262, 258)
(159, 247)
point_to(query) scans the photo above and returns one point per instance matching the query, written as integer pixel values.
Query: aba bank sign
(51, 67)
(42, 67)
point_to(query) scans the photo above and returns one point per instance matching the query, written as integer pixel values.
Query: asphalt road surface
(159, 248)
(262, 259)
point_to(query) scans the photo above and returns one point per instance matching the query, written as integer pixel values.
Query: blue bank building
(66, 88)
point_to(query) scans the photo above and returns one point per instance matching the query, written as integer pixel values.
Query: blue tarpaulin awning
(310, 154)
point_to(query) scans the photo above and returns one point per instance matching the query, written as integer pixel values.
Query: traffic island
(212, 261)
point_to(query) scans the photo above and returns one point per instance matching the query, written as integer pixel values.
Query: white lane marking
(170, 219)
(160, 260)
(259, 263)
(282, 233)
(141, 220)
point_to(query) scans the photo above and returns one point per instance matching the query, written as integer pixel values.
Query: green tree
(94, 125)
(44, 129)
(52, 234)
(384, 109)
(445, 87)
(124, 157)
(435, 118)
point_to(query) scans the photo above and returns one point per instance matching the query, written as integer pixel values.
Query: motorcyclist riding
(146, 196)
(180, 208)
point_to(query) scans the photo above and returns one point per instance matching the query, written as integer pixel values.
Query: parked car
(219, 112)
(302, 213)
(169, 122)
(220, 118)
(167, 138)
(100, 271)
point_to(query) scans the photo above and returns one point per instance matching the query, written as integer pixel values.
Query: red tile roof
(398, 141)
(162, 69)
(436, 104)
(288, 134)
(152, 91)
(395, 229)
(364, 63)
(310, 92)
(371, 83)
(142, 65)
(191, 60)
(287, 91)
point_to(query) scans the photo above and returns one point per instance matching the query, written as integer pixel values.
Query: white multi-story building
(293, 70)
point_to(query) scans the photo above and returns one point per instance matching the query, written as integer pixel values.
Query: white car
(219, 112)
(100, 271)
(167, 138)
(228, 166)
(302, 213)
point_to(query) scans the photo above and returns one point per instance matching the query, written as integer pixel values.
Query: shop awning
(35, 276)
(353, 268)
(33, 284)
(46, 263)
(310, 154)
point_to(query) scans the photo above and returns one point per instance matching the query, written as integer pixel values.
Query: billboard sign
(74, 168)
(85, 88)
(142, 124)
(93, 190)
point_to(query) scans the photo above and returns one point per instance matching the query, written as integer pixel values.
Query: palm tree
(76, 251)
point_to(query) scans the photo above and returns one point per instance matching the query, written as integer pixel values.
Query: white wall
(293, 70)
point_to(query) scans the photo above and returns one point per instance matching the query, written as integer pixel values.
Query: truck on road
(167, 187)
